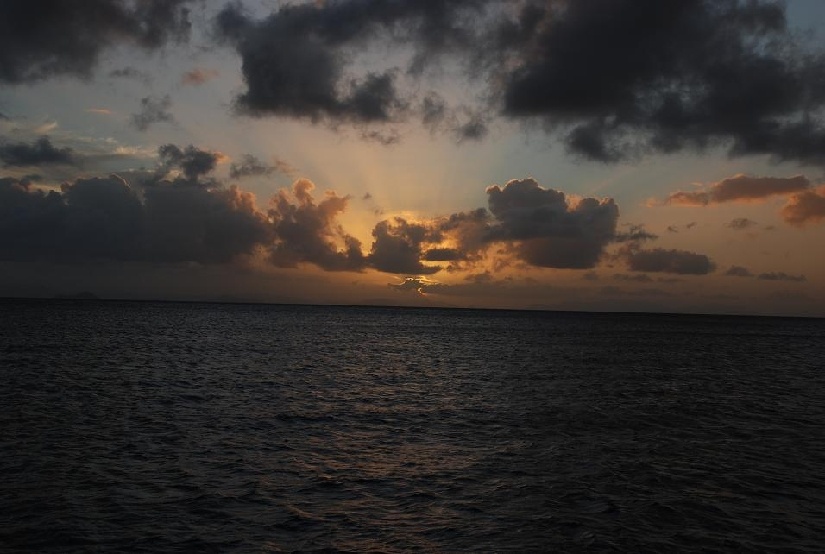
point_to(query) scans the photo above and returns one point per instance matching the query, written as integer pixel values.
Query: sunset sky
(550, 154)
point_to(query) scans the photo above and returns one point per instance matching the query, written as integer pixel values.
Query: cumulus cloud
(53, 37)
(398, 247)
(534, 225)
(153, 110)
(40, 152)
(740, 188)
(108, 219)
(294, 65)
(805, 207)
(679, 84)
(308, 232)
(659, 260)
(547, 229)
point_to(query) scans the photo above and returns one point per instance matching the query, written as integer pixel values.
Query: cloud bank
(51, 38)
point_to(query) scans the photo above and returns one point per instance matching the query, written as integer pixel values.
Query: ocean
(164, 427)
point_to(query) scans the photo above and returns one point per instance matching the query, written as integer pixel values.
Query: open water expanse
(216, 428)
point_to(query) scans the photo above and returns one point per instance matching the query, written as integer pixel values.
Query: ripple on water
(141, 426)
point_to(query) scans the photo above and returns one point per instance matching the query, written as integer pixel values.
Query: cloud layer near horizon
(179, 212)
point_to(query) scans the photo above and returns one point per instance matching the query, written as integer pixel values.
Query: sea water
(207, 427)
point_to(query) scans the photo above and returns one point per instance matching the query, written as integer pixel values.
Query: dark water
(180, 427)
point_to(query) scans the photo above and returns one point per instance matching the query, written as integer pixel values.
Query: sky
(599, 155)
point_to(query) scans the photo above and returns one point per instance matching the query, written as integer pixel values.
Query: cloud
(412, 284)
(40, 152)
(780, 276)
(193, 162)
(635, 233)
(537, 226)
(108, 219)
(306, 232)
(250, 166)
(740, 223)
(398, 247)
(659, 260)
(198, 76)
(186, 223)
(805, 207)
(52, 37)
(547, 229)
(298, 62)
(738, 271)
(740, 188)
(153, 110)
(679, 83)
(293, 65)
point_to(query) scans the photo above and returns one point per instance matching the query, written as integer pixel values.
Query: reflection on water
(218, 427)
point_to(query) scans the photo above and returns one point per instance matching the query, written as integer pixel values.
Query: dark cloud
(293, 64)
(193, 162)
(694, 73)
(40, 152)
(107, 219)
(635, 233)
(659, 260)
(295, 61)
(306, 232)
(153, 110)
(740, 188)
(534, 225)
(546, 229)
(398, 247)
(205, 225)
(738, 271)
(740, 223)
(805, 207)
(443, 255)
(53, 37)
(250, 166)
(780, 276)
